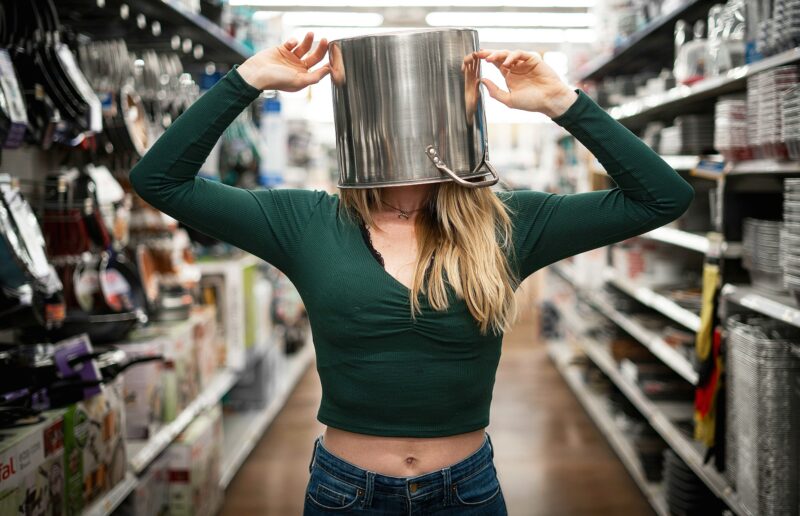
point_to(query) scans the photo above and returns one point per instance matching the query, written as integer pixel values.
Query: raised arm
(549, 227)
(268, 223)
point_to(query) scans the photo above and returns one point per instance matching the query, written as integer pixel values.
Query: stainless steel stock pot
(408, 109)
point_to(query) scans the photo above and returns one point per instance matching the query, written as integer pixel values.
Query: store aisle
(551, 459)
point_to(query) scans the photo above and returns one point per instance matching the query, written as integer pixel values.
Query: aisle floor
(551, 459)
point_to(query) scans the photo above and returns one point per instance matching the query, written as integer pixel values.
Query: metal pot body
(408, 109)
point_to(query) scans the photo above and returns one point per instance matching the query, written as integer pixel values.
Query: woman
(408, 288)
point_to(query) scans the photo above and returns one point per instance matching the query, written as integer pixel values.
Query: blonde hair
(462, 239)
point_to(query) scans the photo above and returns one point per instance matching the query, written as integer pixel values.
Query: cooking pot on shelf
(408, 109)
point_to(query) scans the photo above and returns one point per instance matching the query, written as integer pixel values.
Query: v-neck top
(382, 372)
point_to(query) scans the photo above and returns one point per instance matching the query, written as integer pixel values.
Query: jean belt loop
(448, 487)
(491, 446)
(313, 455)
(369, 489)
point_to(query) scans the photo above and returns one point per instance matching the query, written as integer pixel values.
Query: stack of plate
(790, 237)
(761, 254)
(670, 142)
(697, 133)
(762, 415)
(730, 128)
(786, 24)
(685, 493)
(790, 122)
(765, 93)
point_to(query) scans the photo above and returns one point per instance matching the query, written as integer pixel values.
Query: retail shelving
(692, 241)
(112, 499)
(764, 166)
(143, 452)
(658, 415)
(637, 50)
(243, 430)
(120, 19)
(597, 411)
(782, 308)
(674, 101)
(681, 162)
(654, 300)
(648, 338)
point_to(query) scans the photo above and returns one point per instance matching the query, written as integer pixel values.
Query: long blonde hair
(463, 237)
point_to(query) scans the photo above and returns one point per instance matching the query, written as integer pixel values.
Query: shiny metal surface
(397, 94)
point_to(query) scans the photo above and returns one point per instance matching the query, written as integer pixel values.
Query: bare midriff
(401, 456)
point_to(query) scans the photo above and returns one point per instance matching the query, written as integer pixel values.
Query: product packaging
(195, 467)
(208, 345)
(32, 468)
(151, 496)
(94, 447)
(143, 391)
(231, 286)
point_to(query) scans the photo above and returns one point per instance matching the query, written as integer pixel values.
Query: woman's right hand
(286, 67)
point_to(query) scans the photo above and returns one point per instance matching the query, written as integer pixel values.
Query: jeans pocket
(479, 488)
(329, 493)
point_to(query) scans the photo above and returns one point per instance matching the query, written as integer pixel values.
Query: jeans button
(413, 487)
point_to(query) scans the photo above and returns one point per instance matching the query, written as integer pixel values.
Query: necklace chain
(401, 214)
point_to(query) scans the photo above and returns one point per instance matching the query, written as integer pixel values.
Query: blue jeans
(469, 487)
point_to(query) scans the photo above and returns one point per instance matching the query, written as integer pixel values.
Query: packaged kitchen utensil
(415, 115)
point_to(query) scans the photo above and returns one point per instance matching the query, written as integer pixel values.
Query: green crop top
(381, 372)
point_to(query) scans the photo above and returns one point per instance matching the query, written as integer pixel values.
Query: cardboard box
(207, 342)
(151, 496)
(143, 391)
(231, 285)
(94, 447)
(32, 468)
(195, 467)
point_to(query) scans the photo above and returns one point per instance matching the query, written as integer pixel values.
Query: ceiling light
(508, 19)
(501, 35)
(416, 3)
(331, 19)
(485, 35)
(265, 15)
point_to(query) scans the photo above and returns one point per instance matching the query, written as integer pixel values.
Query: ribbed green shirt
(383, 373)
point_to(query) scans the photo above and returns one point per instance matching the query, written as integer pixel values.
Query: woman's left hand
(532, 84)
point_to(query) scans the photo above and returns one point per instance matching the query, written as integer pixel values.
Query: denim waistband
(413, 487)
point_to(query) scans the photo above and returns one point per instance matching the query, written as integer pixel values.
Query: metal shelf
(243, 430)
(175, 20)
(656, 301)
(692, 241)
(782, 308)
(112, 499)
(621, 443)
(565, 271)
(637, 51)
(143, 452)
(686, 449)
(649, 339)
(764, 166)
(674, 101)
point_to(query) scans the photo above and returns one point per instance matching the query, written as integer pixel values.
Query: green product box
(94, 447)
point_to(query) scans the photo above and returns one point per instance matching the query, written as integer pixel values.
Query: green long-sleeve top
(382, 372)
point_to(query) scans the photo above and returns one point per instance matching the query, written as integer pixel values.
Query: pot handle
(433, 154)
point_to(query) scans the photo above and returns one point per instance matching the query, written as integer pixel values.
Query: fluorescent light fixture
(331, 19)
(508, 19)
(265, 15)
(532, 4)
(332, 33)
(501, 35)
(485, 35)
